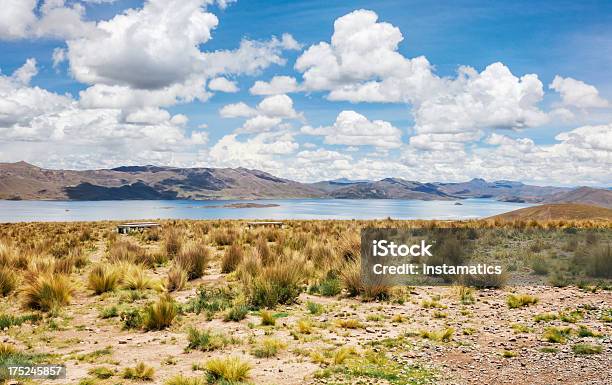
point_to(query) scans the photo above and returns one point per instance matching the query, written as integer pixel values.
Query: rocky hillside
(388, 188)
(503, 190)
(25, 181)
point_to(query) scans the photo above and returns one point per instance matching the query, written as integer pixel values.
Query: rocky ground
(486, 345)
(422, 335)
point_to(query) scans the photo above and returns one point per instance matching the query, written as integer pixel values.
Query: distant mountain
(25, 181)
(502, 190)
(586, 195)
(389, 188)
(568, 211)
(349, 181)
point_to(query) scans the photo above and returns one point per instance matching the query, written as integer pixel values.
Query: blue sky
(572, 40)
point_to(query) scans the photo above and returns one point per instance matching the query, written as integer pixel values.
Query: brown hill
(25, 181)
(585, 195)
(568, 211)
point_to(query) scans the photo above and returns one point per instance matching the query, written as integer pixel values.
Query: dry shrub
(376, 291)
(140, 372)
(223, 237)
(350, 275)
(160, 315)
(482, 281)
(263, 250)
(179, 379)
(177, 279)
(8, 281)
(193, 258)
(250, 266)
(157, 257)
(279, 283)
(173, 241)
(78, 257)
(153, 234)
(103, 278)
(599, 260)
(7, 255)
(128, 251)
(320, 254)
(135, 277)
(41, 265)
(296, 241)
(349, 247)
(227, 370)
(232, 258)
(47, 292)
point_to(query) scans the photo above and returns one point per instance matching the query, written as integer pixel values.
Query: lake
(29, 211)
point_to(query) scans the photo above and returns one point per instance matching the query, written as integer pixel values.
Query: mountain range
(22, 180)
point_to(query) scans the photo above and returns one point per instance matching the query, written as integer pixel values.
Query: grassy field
(201, 302)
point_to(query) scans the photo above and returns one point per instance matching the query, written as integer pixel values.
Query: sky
(312, 90)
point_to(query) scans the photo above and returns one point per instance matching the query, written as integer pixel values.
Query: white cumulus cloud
(576, 93)
(278, 85)
(222, 84)
(354, 129)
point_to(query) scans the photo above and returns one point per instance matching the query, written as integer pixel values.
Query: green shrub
(101, 372)
(599, 261)
(557, 335)
(315, 308)
(237, 313)
(109, 312)
(131, 318)
(520, 300)
(205, 340)
(330, 287)
(584, 331)
(211, 300)
(540, 265)
(8, 320)
(584, 348)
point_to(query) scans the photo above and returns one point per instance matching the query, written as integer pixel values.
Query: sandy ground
(474, 355)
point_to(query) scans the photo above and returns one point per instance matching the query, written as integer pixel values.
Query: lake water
(29, 211)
